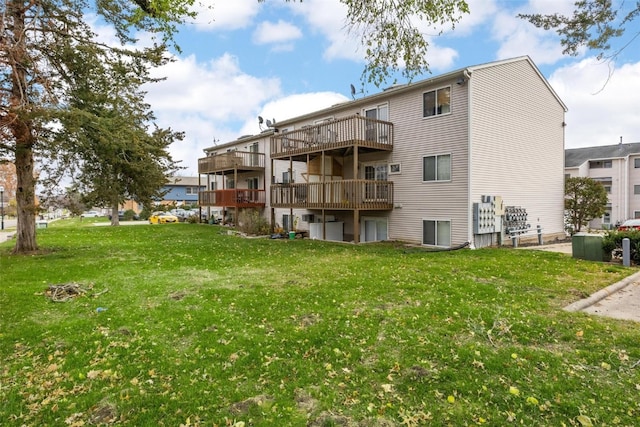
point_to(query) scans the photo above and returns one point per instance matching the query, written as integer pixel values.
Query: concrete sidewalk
(6, 235)
(619, 300)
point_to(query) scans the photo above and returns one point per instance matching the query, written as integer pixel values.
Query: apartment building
(181, 190)
(617, 167)
(469, 157)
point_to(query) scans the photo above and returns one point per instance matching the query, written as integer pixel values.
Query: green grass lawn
(186, 325)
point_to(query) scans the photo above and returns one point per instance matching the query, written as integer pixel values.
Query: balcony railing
(232, 198)
(241, 160)
(346, 194)
(329, 135)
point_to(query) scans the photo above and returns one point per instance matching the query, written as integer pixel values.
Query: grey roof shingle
(574, 157)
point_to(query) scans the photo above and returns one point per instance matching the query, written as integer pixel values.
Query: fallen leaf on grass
(584, 421)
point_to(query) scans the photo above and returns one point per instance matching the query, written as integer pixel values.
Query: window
(636, 163)
(191, 190)
(373, 190)
(255, 158)
(600, 164)
(606, 218)
(214, 186)
(286, 177)
(436, 102)
(374, 130)
(436, 168)
(252, 183)
(231, 183)
(607, 188)
(636, 189)
(394, 168)
(636, 214)
(436, 233)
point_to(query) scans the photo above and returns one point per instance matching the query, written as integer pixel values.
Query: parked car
(630, 224)
(123, 217)
(89, 214)
(162, 218)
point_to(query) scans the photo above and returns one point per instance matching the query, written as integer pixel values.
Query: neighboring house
(617, 167)
(182, 190)
(456, 159)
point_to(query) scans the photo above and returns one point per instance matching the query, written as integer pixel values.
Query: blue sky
(242, 59)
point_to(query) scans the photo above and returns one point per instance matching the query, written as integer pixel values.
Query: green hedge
(612, 243)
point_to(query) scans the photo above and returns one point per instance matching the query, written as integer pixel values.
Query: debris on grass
(67, 291)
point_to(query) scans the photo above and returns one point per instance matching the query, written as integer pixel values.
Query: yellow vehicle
(162, 218)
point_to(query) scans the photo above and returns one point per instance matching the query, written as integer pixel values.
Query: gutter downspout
(467, 76)
(625, 199)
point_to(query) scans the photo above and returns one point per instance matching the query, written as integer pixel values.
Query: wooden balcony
(334, 135)
(238, 198)
(348, 194)
(232, 160)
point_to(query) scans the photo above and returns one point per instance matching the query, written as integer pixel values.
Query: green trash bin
(587, 246)
(292, 235)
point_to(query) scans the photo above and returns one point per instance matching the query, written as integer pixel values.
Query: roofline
(243, 138)
(533, 65)
(426, 82)
(399, 89)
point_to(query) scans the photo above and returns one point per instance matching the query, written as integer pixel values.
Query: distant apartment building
(465, 158)
(182, 190)
(617, 167)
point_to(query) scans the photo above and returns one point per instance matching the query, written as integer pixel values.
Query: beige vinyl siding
(517, 142)
(416, 137)
(628, 201)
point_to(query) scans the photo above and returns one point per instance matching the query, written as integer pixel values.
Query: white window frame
(436, 156)
(253, 183)
(395, 168)
(378, 221)
(377, 131)
(437, 107)
(438, 242)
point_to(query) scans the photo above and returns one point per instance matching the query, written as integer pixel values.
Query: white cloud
(219, 88)
(601, 109)
(518, 37)
(280, 32)
(213, 15)
(206, 101)
(293, 106)
(328, 19)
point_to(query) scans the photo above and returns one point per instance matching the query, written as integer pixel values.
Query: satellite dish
(269, 123)
(260, 120)
(353, 91)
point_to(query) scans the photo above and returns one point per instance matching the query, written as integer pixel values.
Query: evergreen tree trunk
(25, 200)
(22, 132)
(115, 219)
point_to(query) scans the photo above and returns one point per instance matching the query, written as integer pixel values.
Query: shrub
(129, 215)
(612, 243)
(145, 213)
(251, 222)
